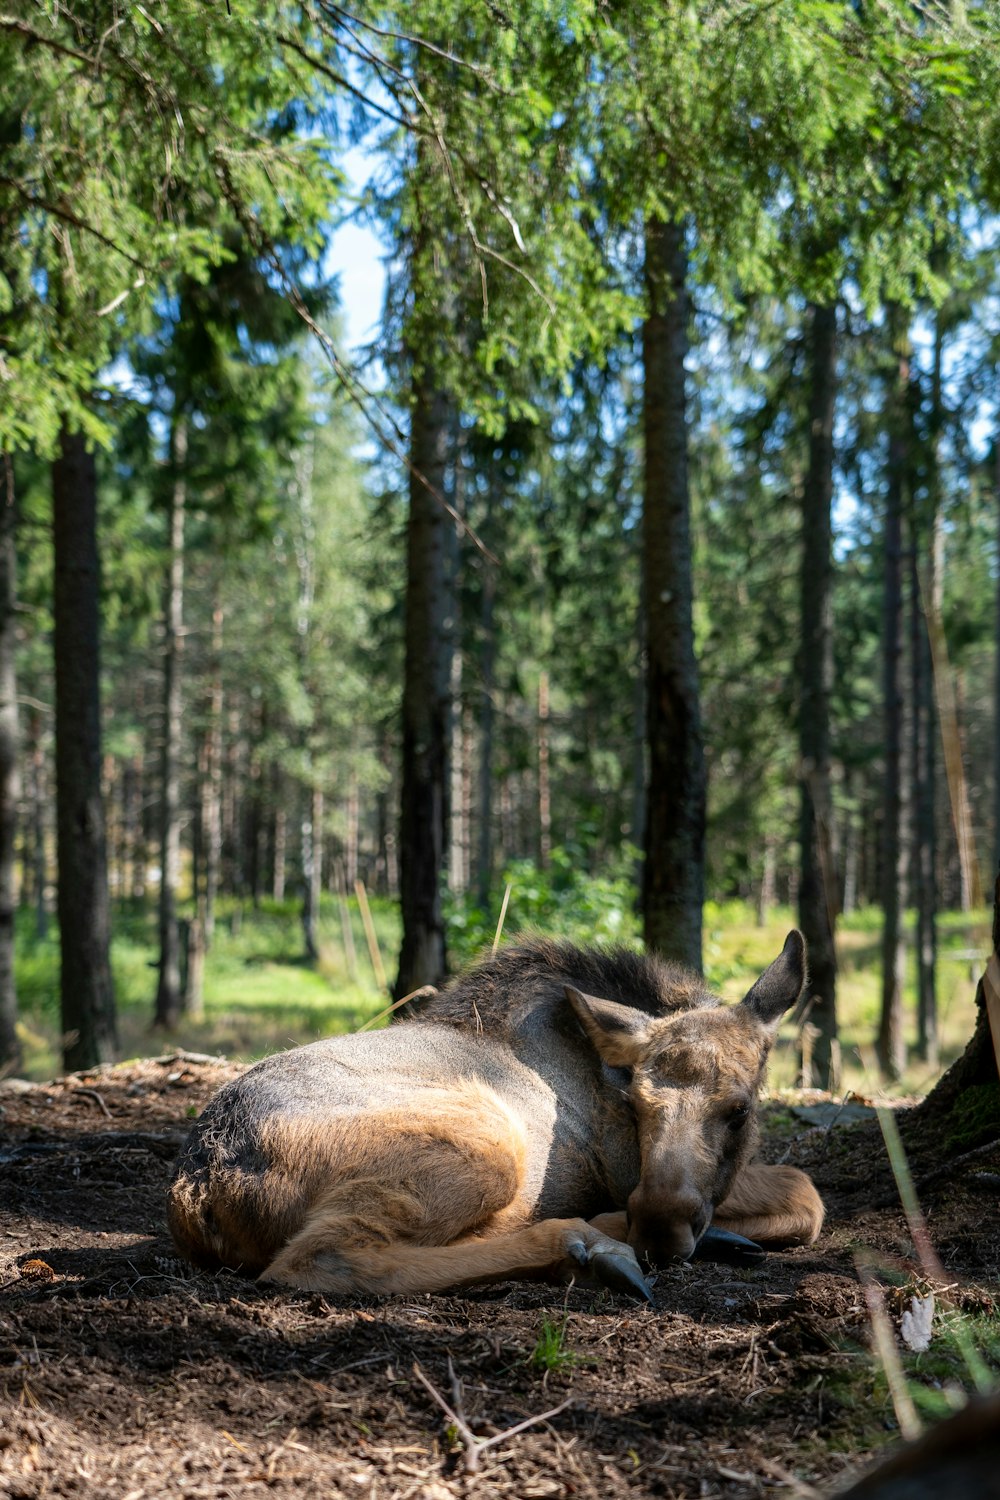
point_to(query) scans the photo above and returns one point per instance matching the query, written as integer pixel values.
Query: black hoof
(622, 1274)
(728, 1249)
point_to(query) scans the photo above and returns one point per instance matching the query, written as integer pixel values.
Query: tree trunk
(10, 789)
(674, 870)
(86, 991)
(851, 841)
(639, 735)
(484, 849)
(280, 841)
(351, 837)
(996, 666)
(977, 1067)
(230, 869)
(38, 802)
(312, 870)
(817, 878)
(457, 832)
(890, 1044)
(768, 880)
(139, 854)
(925, 542)
(212, 793)
(544, 788)
(426, 692)
(169, 996)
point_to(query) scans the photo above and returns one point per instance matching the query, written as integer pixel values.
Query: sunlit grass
(261, 995)
(736, 949)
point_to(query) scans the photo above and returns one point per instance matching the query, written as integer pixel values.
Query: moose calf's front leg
(777, 1205)
(318, 1259)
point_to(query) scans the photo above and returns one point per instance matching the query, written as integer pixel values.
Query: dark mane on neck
(524, 986)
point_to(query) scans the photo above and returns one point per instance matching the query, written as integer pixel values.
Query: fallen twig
(79, 1093)
(475, 1446)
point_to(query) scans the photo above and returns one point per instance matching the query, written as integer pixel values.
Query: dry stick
(425, 989)
(503, 913)
(472, 1444)
(915, 1221)
(92, 1094)
(373, 948)
(930, 1263)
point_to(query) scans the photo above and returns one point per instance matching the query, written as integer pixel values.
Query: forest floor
(123, 1373)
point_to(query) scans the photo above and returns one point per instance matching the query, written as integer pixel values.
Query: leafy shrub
(563, 901)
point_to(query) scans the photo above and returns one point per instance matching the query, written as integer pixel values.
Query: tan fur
(776, 1205)
(393, 1165)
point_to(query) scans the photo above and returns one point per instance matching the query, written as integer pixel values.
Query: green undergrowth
(262, 995)
(564, 901)
(552, 1353)
(938, 1381)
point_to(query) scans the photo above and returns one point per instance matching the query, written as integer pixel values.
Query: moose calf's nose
(662, 1234)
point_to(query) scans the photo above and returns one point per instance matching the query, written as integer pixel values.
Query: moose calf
(554, 1112)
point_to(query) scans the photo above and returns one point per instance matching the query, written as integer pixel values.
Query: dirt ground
(123, 1373)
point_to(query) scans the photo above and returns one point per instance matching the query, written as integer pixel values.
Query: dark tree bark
(279, 837)
(925, 588)
(639, 734)
(167, 1010)
(37, 804)
(457, 857)
(544, 783)
(817, 880)
(996, 665)
(212, 785)
(86, 991)
(890, 1045)
(423, 838)
(978, 1064)
(386, 857)
(10, 788)
(312, 869)
(487, 660)
(674, 869)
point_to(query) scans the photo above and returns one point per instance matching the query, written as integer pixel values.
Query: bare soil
(123, 1373)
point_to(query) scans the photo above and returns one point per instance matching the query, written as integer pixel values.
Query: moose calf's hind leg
(403, 1183)
(776, 1205)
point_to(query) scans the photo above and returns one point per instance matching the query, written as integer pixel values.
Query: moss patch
(974, 1118)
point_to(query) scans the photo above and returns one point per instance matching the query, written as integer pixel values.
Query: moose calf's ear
(618, 1033)
(780, 986)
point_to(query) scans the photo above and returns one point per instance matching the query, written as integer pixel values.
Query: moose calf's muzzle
(665, 1227)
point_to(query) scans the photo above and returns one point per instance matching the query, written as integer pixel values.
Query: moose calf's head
(694, 1080)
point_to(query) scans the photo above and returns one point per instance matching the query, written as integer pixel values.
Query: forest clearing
(124, 1372)
(606, 547)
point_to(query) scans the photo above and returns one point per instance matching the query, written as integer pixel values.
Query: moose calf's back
(547, 1086)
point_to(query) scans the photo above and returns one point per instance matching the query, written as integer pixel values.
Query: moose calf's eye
(738, 1116)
